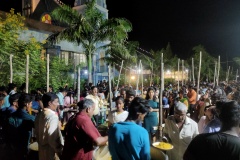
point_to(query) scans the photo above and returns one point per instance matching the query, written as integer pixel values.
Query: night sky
(215, 24)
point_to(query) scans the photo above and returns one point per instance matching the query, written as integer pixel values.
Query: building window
(26, 10)
(102, 55)
(82, 58)
(79, 58)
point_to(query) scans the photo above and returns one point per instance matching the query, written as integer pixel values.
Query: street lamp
(168, 72)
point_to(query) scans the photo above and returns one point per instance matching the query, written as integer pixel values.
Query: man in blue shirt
(127, 140)
(61, 94)
(3, 90)
(19, 129)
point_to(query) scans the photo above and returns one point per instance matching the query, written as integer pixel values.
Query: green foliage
(237, 60)
(168, 81)
(10, 29)
(59, 74)
(36, 64)
(168, 52)
(91, 30)
(207, 67)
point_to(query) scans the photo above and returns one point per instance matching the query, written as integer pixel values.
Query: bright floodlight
(85, 72)
(132, 77)
(168, 72)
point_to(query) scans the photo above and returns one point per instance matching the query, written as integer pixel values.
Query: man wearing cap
(179, 130)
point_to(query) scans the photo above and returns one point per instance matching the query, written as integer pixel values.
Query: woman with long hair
(119, 115)
(151, 119)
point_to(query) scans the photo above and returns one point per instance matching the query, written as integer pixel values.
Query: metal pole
(151, 73)
(11, 69)
(160, 103)
(193, 72)
(182, 72)
(110, 88)
(79, 81)
(27, 72)
(178, 74)
(162, 86)
(236, 75)
(138, 75)
(215, 74)
(199, 71)
(142, 77)
(47, 72)
(113, 75)
(228, 74)
(218, 70)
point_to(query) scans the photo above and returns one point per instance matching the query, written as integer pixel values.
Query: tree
(207, 69)
(59, 73)
(168, 52)
(11, 26)
(90, 30)
(237, 60)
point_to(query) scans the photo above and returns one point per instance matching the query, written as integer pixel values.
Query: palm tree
(90, 30)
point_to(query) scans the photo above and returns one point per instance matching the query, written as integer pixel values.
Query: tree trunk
(120, 74)
(89, 68)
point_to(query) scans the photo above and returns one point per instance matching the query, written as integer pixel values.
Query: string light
(60, 2)
(130, 69)
(141, 49)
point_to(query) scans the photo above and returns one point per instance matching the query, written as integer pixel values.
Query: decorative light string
(60, 2)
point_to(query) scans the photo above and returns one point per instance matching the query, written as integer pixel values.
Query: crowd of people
(196, 122)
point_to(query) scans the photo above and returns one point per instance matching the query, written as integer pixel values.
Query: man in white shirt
(179, 130)
(98, 102)
(47, 129)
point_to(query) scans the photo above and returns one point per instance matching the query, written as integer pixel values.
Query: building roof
(37, 25)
